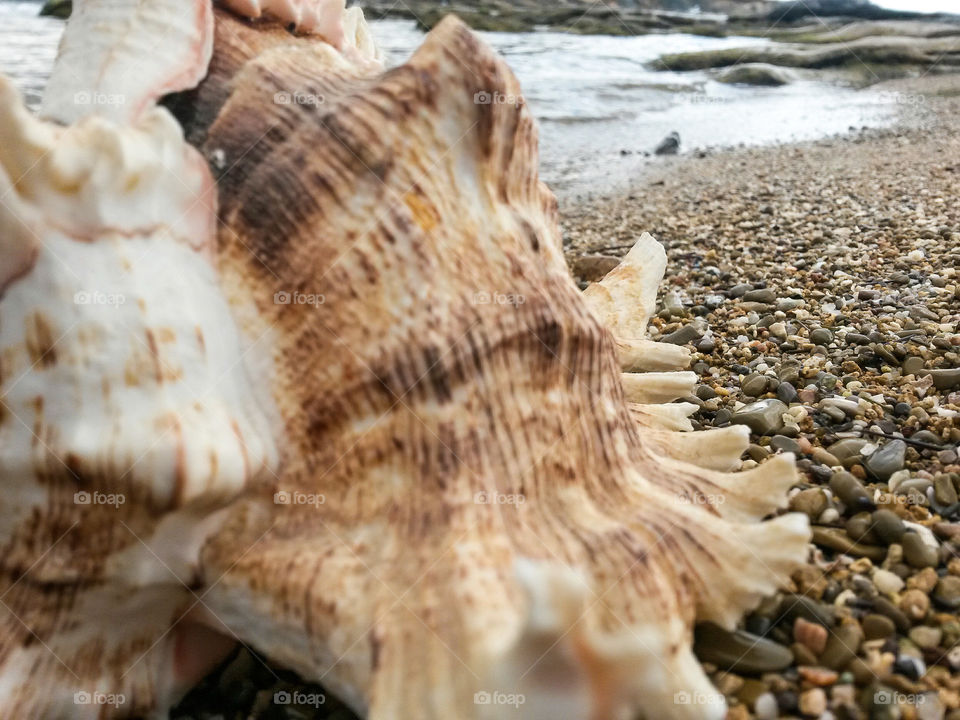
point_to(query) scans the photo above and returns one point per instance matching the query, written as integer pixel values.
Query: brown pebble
(843, 644)
(858, 472)
(825, 458)
(877, 627)
(812, 502)
(811, 582)
(802, 654)
(915, 604)
(925, 580)
(838, 540)
(817, 676)
(812, 635)
(813, 702)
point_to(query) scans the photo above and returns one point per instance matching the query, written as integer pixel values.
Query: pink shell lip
(318, 17)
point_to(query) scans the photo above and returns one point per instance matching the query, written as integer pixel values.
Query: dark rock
(670, 145)
(917, 553)
(686, 334)
(887, 460)
(756, 74)
(764, 417)
(739, 651)
(851, 491)
(765, 296)
(888, 526)
(786, 393)
(821, 336)
(754, 385)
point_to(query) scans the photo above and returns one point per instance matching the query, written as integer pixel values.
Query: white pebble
(828, 516)
(887, 582)
(915, 255)
(897, 479)
(765, 707)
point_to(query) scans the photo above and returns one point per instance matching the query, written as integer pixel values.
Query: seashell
(353, 411)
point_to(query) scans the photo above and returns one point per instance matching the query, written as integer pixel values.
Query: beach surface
(819, 286)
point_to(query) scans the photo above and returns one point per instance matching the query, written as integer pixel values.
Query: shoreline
(920, 103)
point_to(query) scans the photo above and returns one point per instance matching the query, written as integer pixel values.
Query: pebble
(817, 676)
(926, 637)
(848, 448)
(764, 417)
(593, 267)
(877, 627)
(944, 491)
(739, 651)
(821, 336)
(794, 605)
(813, 702)
(917, 553)
(860, 529)
(812, 502)
(838, 540)
(947, 592)
(843, 645)
(915, 604)
(785, 444)
(885, 461)
(945, 379)
(824, 457)
(754, 385)
(786, 393)
(766, 296)
(686, 334)
(779, 330)
(811, 635)
(765, 707)
(888, 526)
(705, 392)
(912, 365)
(887, 582)
(851, 491)
(886, 608)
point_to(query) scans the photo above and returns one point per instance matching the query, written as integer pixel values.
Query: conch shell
(346, 405)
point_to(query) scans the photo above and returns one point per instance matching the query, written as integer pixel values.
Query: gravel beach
(818, 285)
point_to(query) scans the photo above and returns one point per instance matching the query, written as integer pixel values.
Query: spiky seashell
(370, 426)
